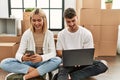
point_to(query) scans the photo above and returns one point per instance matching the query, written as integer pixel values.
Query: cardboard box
(95, 30)
(8, 50)
(105, 39)
(15, 39)
(100, 17)
(109, 33)
(110, 17)
(108, 40)
(108, 48)
(97, 49)
(26, 21)
(119, 18)
(89, 4)
(90, 17)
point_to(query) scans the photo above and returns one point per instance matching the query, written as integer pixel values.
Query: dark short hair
(69, 13)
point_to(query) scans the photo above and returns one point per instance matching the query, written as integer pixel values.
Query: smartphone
(29, 52)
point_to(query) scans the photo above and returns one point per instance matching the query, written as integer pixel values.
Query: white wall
(115, 5)
(3, 8)
(70, 3)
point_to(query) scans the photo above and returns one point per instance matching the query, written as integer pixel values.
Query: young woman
(39, 40)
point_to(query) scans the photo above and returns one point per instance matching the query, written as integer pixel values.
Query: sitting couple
(40, 40)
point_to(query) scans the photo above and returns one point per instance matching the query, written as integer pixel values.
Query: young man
(77, 37)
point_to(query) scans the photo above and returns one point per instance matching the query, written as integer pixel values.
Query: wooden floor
(113, 72)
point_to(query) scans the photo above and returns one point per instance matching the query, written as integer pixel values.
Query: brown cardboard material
(108, 48)
(95, 30)
(119, 18)
(26, 21)
(108, 40)
(97, 49)
(8, 50)
(105, 39)
(15, 39)
(90, 17)
(109, 33)
(89, 4)
(110, 17)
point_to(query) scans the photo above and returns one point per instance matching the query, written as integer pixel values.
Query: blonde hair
(43, 15)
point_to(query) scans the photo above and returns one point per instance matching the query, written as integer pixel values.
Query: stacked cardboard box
(8, 49)
(15, 39)
(26, 21)
(10, 35)
(110, 17)
(95, 30)
(108, 40)
(103, 24)
(8, 46)
(87, 4)
(90, 17)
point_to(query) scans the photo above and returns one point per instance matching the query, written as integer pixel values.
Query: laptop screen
(78, 57)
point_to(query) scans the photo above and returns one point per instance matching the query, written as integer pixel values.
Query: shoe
(13, 76)
(37, 78)
(104, 62)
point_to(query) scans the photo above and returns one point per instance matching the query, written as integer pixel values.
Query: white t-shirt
(80, 39)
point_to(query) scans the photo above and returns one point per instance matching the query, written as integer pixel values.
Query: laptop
(78, 57)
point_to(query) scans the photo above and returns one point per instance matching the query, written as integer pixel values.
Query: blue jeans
(80, 73)
(15, 66)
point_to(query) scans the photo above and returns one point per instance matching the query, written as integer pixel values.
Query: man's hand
(77, 65)
(59, 53)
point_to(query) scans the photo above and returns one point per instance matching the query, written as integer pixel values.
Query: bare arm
(59, 53)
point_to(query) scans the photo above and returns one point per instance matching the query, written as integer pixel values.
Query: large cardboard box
(86, 4)
(95, 30)
(109, 33)
(97, 49)
(119, 18)
(110, 17)
(26, 21)
(108, 48)
(14, 39)
(108, 41)
(90, 17)
(105, 39)
(89, 4)
(100, 17)
(8, 50)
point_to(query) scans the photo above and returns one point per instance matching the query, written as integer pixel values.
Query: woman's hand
(26, 57)
(36, 58)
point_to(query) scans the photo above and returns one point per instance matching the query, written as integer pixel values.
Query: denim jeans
(15, 66)
(82, 72)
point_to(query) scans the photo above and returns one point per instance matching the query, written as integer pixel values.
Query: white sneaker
(13, 76)
(8, 75)
(104, 62)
